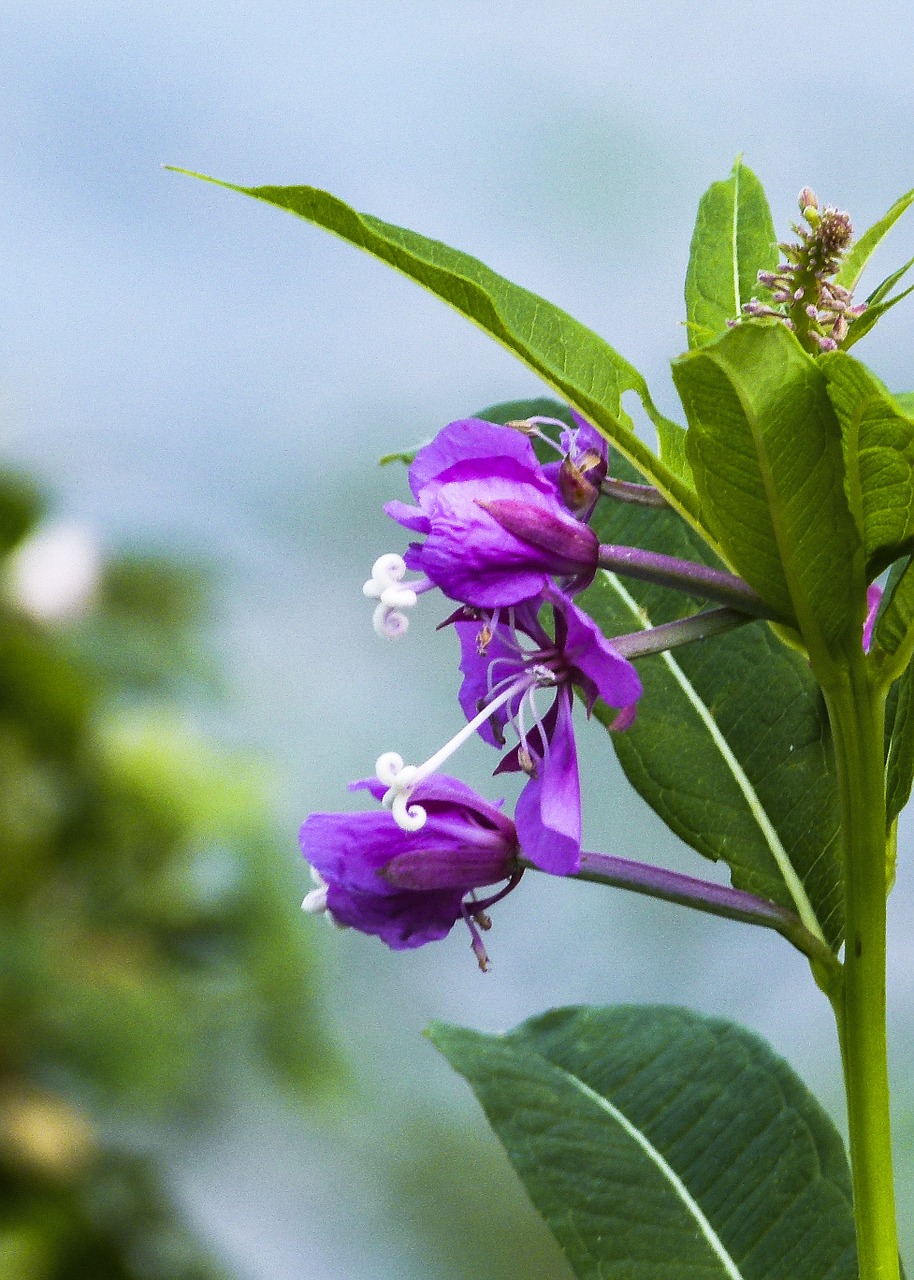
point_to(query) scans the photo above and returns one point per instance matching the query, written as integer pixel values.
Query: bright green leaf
(657, 1142)
(881, 292)
(731, 745)
(766, 455)
(583, 368)
(734, 239)
(878, 442)
(859, 254)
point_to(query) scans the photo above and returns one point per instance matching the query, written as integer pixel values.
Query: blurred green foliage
(150, 938)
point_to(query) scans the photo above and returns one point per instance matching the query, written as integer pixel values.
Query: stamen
(479, 950)
(386, 586)
(402, 779)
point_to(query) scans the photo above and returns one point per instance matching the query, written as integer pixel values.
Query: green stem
(856, 710)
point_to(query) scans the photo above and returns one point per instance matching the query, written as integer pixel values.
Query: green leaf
(881, 292)
(899, 761)
(877, 304)
(657, 1142)
(766, 455)
(731, 745)
(734, 239)
(859, 254)
(577, 363)
(906, 400)
(878, 441)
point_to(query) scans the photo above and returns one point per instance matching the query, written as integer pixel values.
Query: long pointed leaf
(873, 314)
(734, 239)
(861, 251)
(658, 1143)
(583, 368)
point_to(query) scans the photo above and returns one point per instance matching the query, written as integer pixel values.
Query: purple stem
(702, 895)
(698, 626)
(685, 575)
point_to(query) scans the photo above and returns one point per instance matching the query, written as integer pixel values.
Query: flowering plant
(737, 607)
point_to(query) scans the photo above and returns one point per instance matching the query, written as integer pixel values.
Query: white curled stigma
(386, 586)
(401, 780)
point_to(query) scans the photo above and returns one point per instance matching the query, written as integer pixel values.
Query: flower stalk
(685, 575)
(703, 895)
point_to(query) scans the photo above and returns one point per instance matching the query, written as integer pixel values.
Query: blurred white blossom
(54, 576)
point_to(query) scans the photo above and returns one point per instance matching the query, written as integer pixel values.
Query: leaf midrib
(715, 1244)
(794, 884)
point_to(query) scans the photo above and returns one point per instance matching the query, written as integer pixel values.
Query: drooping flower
(409, 888)
(508, 659)
(471, 476)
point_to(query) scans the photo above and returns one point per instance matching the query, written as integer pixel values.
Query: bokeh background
(198, 380)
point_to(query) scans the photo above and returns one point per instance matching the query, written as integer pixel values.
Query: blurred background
(195, 1080)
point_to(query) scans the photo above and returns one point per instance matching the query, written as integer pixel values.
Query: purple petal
(412, 518)
(402, 918)
(589, 651)
(470, 556)
(548, 812)
(873, 601)
(475, 668)
(469, 438)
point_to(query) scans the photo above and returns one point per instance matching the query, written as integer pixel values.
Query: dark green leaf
(731, 745)
(766, 454)
(860, 252)
(657, 1142)
(878, 442)
(583, 368)
(734, 239)
(899, 764)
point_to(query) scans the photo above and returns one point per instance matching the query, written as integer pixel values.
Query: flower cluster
(505, 538)
(805, 297)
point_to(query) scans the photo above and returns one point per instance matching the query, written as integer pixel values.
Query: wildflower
(508, 657)
(405, 887)
(465, 482)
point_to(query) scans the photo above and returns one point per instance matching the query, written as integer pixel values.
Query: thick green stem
(856, 710)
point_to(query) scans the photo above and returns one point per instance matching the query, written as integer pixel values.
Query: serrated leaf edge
(713, 1239)
(795, 886)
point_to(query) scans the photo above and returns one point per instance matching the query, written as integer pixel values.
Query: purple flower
(508, 657)
(410, 887)
(495, 528)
